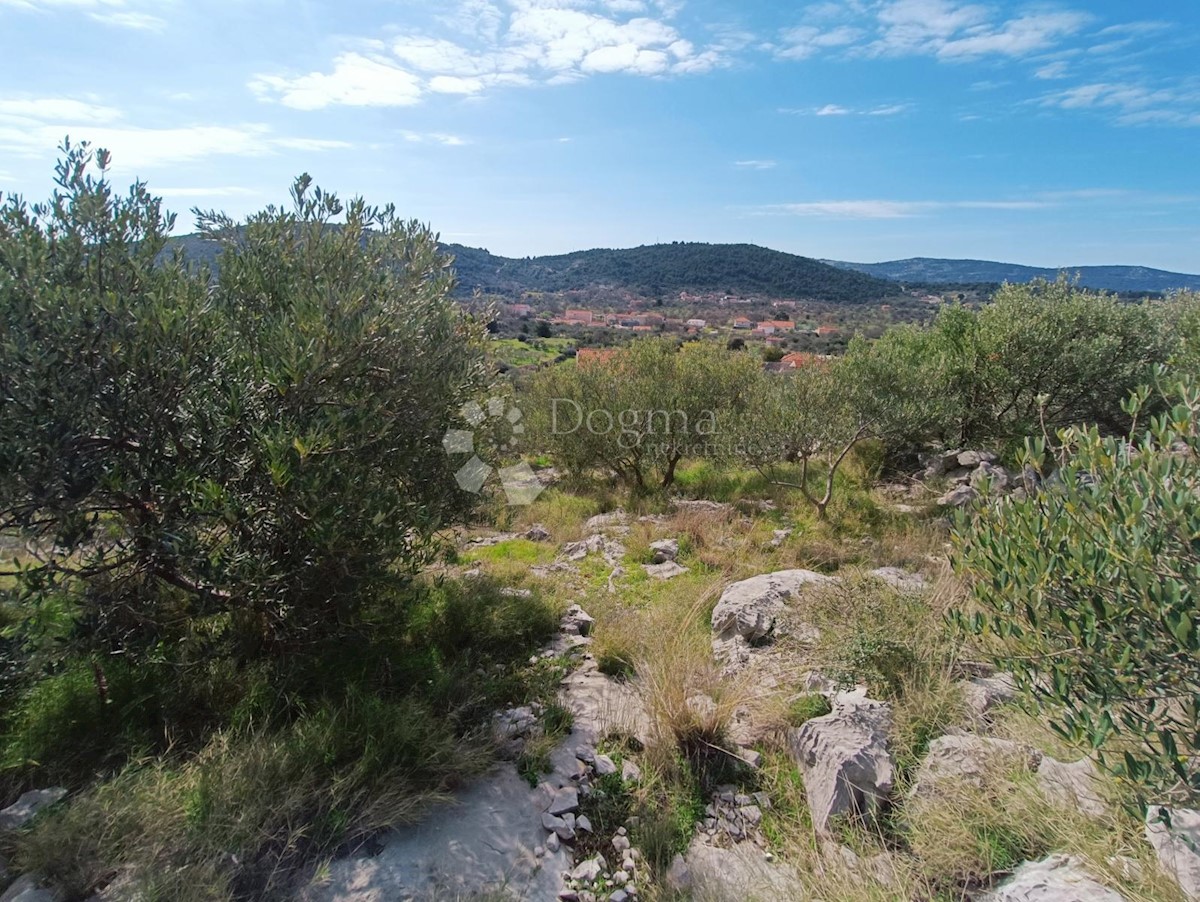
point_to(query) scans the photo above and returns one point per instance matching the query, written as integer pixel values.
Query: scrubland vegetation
(243, 623)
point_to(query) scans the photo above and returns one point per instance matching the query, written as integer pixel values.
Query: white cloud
(134, 20)
(527, 42)
(805, 40)
(1133, 104)
(119, 13)
(434, 138)
(834, 109)
(34, 128)
(950, 30)
(1017, 37)
(356, 80)
(42, 108)
(755, 164)
(1057, 69)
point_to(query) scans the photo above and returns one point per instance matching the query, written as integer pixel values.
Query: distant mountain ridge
(932, 270)
(744, 269)
(664, 269)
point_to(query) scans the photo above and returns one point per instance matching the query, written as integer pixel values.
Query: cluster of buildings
(652, 322)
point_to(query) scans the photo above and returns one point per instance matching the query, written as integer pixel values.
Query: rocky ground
(504, 837)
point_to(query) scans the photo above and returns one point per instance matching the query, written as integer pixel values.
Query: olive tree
(817, 415)
(1087, 589)
(250, 453)
(641, 410)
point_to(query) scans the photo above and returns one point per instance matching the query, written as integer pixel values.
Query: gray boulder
(537, 533)
(664, 550)
(983, 694)
(665, 570)
(959, 496)
(844, 758)
(29, 889)
(24, 809)
(1177, 844)
(747, 609)
(996, 478)
(1075, 785)
(899, 579)
(969, 758)
(1059, 878)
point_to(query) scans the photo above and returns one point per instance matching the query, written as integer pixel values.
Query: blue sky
(1046, 133)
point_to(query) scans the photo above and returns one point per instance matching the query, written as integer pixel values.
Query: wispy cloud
(1132, 103)
(1056, 69)
(34, 127)
(525, 43)
(120, 13)
(834, 109)
(434, 138)
(949, 30)
(755, 164)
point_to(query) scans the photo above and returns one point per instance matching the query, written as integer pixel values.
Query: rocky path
(494, 836)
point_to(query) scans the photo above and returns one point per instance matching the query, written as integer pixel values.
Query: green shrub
(259, 450)
(806, 707)
(1089, 590)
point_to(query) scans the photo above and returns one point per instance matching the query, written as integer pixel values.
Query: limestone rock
(746, 610)
(537, 533)
(589, 870)
(604, 765)
(1177, 845)
(630, 772)
(23, 810)
(740, 874)
(982, 694)
(576, 620)
(1074, 785)
(599, 522)
(664, 550)
(28, 889)
(901, 580)
(565, 801)
(665, 570)
(959, 496)
(844, 758)
(996, 478)
(1058, 878)
(969, 758)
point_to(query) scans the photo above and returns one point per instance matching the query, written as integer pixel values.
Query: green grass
(296, 758)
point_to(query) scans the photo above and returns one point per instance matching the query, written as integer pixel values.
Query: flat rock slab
(1177, 844)
(601, 705)
(484, 841)
(23, 810)
(741, 874)
(1058, 878)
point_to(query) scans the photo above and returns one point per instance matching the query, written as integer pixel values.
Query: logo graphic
(521, 485)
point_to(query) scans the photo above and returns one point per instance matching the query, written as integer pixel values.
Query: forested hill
(931, 270)
(662, 269)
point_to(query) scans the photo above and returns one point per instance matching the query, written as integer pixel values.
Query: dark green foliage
(1047, 354)
(806, 707)
(1089, 588)
(239, 463)
(660, 269)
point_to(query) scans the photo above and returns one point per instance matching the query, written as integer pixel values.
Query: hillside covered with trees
(658, 269)
(932, 271)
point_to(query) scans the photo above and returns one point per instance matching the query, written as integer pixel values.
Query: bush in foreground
(1088, 588)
